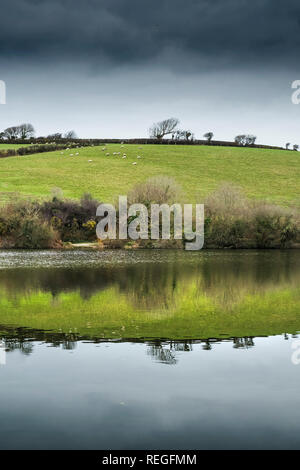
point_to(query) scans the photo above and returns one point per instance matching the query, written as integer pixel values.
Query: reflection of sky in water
(240, 393)
(117, 396)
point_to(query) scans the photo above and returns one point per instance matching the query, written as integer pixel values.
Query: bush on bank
(75, 221)
(22, 226)
(234, 221)
(33, 225)
(231, 220)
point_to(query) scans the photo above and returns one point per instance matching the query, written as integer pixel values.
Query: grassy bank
(263, 174)
(231, 220)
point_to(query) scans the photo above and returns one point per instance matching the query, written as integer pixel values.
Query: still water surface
(150, 350)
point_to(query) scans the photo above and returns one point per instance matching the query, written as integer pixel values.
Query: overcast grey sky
(109, 68)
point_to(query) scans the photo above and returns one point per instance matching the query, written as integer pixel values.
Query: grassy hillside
(273, 175)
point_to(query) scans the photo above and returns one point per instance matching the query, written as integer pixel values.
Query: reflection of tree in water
(225, 278)
(163, 351)
(23, 339)
(238, 343)
(206, 345)
(147, 285)
(244, 343)
(292, 336)
(12, 344)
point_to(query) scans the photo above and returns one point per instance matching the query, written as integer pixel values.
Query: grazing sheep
(107, 154)
(124, 156)
(134, 163)
(90, 161)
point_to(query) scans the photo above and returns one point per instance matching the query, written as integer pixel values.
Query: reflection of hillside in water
(226, 279)
(161, 350)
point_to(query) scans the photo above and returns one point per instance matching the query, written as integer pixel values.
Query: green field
(273, 175)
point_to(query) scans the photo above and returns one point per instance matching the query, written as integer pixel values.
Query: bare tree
(70, 135)
(208, 136)
(245, 139)
(11, 133)
(250, 139)
(23, 131)
(163, 128)
(240, 139)
(183, 135)
(178, 134)
(26, 131)
(188, 134)
(287, 145)
(55, 136)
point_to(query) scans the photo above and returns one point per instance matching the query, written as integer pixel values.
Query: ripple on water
(86, 258)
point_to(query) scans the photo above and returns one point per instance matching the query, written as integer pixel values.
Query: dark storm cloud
(131, 31)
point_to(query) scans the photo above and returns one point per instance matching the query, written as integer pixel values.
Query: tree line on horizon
(159, 130)
(169, 126)
(27, 131)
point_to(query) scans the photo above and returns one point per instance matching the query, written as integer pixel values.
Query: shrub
(232, 220)
(156, 190)
(22, 226)
(274, 226)
(34, 233)
(75, 221)
(41, 148)
(7, 153)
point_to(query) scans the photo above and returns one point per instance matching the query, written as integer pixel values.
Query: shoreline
(96, 247)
